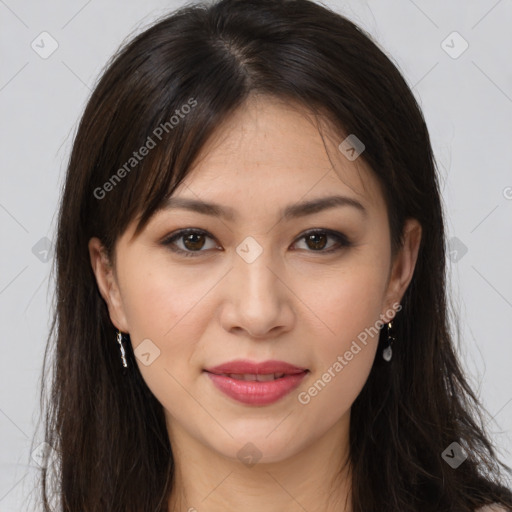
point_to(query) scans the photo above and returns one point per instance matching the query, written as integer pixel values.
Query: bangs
(174, 154)
(187, 75)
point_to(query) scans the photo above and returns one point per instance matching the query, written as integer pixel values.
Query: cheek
(161, 306)
(348, 301)
(160, 299)
(170, 306)
(346, 344)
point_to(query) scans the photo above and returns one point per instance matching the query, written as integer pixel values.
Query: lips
(255, 377)
(256, 383)
(245, 367)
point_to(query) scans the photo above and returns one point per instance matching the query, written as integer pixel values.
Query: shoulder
(492, 508)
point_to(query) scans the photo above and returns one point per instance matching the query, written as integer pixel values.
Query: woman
(251, 308)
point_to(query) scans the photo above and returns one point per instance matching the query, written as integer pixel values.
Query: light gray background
(467, 102)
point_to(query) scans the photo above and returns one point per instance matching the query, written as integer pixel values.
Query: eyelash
(341, 239)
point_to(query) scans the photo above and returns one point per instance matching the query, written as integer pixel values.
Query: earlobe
(107, 283)
(404, 263)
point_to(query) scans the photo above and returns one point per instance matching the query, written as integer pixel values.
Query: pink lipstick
(255, 383)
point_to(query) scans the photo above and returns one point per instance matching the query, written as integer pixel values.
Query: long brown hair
(107, 429)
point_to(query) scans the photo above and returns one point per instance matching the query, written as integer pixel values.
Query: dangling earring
(120, 340)
(387, 353)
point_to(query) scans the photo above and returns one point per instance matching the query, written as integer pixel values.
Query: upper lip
(243, 366)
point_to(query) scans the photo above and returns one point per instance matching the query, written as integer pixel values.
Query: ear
(107, 283)
(403, 265)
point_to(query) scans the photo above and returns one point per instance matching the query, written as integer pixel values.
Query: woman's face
(252, 285)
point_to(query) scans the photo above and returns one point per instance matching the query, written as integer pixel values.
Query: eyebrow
(292, 211)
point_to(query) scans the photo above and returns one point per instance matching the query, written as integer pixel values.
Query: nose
(257, 299)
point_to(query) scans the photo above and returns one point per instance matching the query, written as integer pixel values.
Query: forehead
(271, 149)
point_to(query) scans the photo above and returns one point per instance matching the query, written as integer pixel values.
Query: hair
(107, 429)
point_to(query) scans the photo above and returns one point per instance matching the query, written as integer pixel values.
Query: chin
(252, 446)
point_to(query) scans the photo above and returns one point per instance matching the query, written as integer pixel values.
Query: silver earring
(120, 340)
(387, 353)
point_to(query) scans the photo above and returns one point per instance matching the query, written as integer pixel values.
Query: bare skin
(295, 302)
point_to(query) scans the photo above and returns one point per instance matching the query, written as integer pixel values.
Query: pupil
(189, 239)
(317, 245)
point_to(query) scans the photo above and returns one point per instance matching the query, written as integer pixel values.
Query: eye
(317, 240)
(193, 241)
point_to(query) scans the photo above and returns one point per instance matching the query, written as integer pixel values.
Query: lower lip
(254, 392)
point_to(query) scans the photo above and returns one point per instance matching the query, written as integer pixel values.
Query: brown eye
(192, 241)
(317, 241)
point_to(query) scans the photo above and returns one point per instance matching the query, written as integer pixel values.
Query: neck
(316, 479)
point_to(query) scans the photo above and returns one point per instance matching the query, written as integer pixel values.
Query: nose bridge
(256, 303)
(252, 268)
